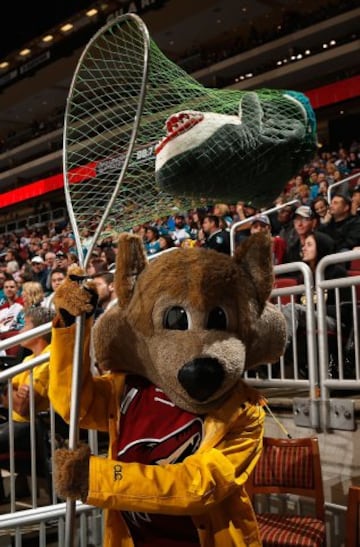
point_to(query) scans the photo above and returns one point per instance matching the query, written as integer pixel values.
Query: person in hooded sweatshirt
(315, 247)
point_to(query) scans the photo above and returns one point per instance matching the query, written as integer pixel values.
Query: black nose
(201, 377)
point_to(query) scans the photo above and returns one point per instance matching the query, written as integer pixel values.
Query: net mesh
(100, 120)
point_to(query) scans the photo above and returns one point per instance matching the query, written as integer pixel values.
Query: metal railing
(42, 519)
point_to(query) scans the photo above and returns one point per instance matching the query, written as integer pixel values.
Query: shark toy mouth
(177, 124)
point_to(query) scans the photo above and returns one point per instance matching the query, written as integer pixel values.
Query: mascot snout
(201, 377)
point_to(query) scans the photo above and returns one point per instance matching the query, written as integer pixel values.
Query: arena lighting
(307, 52)
(333, 42)
(48, 38)
(24, 52)
(279, 63)
(67, 27)
(4, 64)
(92, 12)
(325, 46)
(299, 56)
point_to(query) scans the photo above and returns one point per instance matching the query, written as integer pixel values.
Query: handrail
(249, 219)
(338, 183)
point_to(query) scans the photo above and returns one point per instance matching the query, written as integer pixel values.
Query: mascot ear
(269, 338)
(130, 262)
(253, 256)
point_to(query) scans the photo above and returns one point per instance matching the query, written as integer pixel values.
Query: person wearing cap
(303, 225)
(38, 270)
(344, 228)
(261, 223)
(355, 200)
(61, 260)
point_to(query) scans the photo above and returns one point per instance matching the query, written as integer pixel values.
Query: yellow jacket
(40, 383)
(208, 485)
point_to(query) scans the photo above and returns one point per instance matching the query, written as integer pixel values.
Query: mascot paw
(76, 295)
(72, 472)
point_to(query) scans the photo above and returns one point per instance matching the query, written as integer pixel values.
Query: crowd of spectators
(305, 228)
(33, 254)
(35, 261)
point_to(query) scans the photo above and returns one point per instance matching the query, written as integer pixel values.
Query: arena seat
(352, 523)
(290, 466)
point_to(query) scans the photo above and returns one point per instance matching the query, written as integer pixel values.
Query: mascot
(185, 431)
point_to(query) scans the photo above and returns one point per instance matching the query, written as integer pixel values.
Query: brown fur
(72, 472)
(132, 336)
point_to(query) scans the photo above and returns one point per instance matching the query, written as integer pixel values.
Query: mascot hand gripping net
(185, 431)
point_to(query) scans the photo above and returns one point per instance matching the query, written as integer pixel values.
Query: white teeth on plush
(192, 128)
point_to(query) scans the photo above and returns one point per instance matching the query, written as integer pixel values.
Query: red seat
(355, 264)
(352, 528)
(290, 466)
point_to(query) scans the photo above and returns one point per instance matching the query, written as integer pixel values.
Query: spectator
(38, 268)
(61, 260)
(2, 281)
(32, 294)
(166, 242)
(243, 211)
(34, 317)
(316, 246)
(261, 223)
(109, 255)
(104, 283)
(50, 263)
(215, 238)
(320, 208)
(96, 265)
(344, 228)
(355, 201)
(10, 309)
(152, 244)
(323, 185)
(222, 210)
(181, 230)
(196, 223)
(303, 225)
(304, 194)
(57, 277)
(285, 223)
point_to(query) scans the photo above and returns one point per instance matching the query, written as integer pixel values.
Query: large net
(275, 135)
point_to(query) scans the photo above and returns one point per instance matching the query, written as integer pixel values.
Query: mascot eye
(176, 319)
(217, 319)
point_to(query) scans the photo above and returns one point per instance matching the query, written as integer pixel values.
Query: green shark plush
(249, 155)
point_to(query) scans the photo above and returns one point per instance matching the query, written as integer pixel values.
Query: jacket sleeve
(191, 487)
(95, 391)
